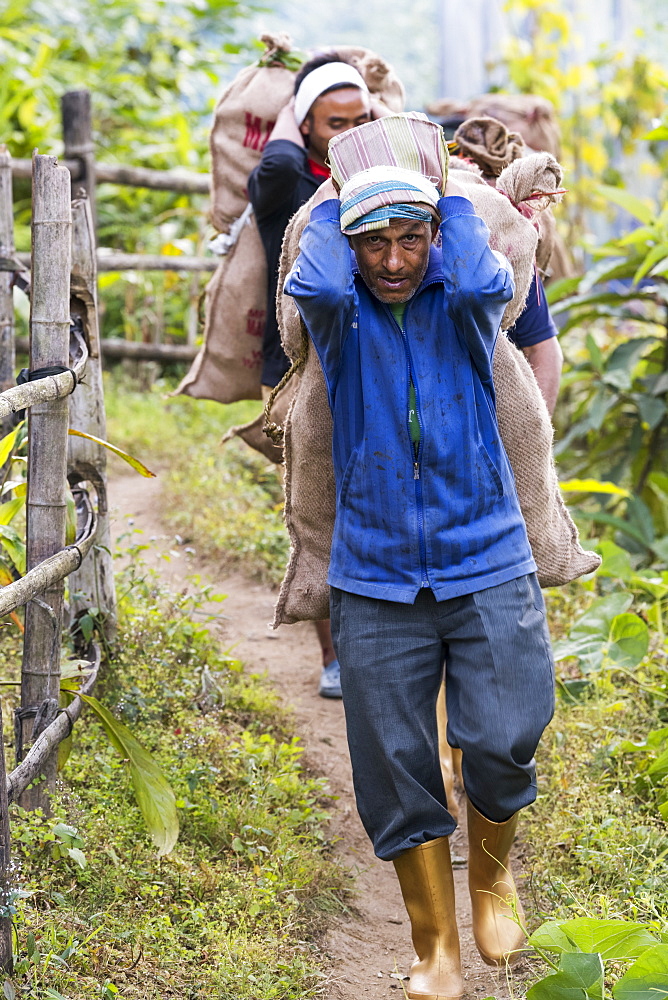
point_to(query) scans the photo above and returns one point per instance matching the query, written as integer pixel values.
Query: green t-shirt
(398, 309)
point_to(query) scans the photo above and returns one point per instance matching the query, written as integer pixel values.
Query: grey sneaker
(330, 681)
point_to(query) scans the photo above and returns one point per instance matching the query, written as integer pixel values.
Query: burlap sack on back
(489, 144)
(525, 192)
(243, 120)
(533, 117)
(228, 366)
(524, 424)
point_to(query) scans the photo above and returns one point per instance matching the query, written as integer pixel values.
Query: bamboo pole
(75, 109)
(179, 181)
(92, 584)
(113, 349)
(43, 576)
(44, 390)
(43, 748)
(5, 863)
(47, 445)
(110, 260)
(7, 358)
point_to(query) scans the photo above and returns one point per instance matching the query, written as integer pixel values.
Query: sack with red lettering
(244, 118)
(229, 364)
(228, 367)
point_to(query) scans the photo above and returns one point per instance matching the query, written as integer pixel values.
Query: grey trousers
(500, 697)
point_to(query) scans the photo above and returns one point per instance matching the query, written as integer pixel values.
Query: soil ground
(369, 949)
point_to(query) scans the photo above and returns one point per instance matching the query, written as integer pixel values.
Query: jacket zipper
(416, 458)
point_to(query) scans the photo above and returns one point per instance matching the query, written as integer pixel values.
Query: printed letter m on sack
(256, 136)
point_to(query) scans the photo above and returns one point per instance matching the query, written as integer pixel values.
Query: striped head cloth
(394, 167)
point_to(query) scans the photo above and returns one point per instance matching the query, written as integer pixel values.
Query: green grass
(226, 501)
(236, 911)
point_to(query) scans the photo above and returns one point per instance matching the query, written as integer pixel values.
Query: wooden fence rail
(111, 260)
(179, 181)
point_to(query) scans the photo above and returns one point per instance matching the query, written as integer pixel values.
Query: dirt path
(370, 950)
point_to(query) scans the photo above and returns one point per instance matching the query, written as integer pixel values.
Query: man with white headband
(430, 561)
(330, 97)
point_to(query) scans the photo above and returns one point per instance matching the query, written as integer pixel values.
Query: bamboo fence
(62, 271)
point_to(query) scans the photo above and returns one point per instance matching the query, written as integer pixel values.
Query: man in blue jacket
(430, 558)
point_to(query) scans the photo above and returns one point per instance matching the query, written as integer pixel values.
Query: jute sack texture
(524, 424)
(228, 367)
(533, 117)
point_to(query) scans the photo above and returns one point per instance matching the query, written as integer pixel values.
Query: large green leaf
(550, 936)
(614, 940)
(647, 979)
(134, 462)
(619, 196)
(589, 636)
(580, 977)
(8, 442)
(629, 640)
(10, 509)
(653, 258)
(616, 561)
(14, 546)
(154, 795)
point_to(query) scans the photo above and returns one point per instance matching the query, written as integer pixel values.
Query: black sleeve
(274, 180)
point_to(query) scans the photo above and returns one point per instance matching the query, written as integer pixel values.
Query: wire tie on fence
(25, 375)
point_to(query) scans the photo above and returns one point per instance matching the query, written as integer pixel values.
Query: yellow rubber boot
(491, 884)
(446, 756)
(425, 877)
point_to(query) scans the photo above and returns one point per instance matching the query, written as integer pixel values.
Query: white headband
(320, 80)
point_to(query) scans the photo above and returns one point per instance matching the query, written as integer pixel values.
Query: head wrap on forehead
(374, 196)
(394, 167)
(321, 79)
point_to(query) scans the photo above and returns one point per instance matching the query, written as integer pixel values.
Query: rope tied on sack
(536, 179)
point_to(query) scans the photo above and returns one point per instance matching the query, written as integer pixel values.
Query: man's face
(393, 260)
(332, 113)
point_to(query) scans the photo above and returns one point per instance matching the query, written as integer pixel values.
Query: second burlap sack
(524, 424)
(228, 366)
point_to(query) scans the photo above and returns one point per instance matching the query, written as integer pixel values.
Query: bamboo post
(47, 447)
(7, 358)
(93, 584)
(5, 864)
(75, 108)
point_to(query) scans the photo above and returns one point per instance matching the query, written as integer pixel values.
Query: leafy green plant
(617, 389)
(587, 947)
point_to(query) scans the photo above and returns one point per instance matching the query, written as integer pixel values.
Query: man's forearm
(546, 359)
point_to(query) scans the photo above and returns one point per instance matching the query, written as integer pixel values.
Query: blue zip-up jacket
(449, 517)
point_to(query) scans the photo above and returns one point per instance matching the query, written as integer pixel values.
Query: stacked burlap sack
(486, 143)
(531, 119)
(228, 366)
(524, 422)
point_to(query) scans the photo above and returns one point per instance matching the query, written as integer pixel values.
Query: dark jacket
(279, 185)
